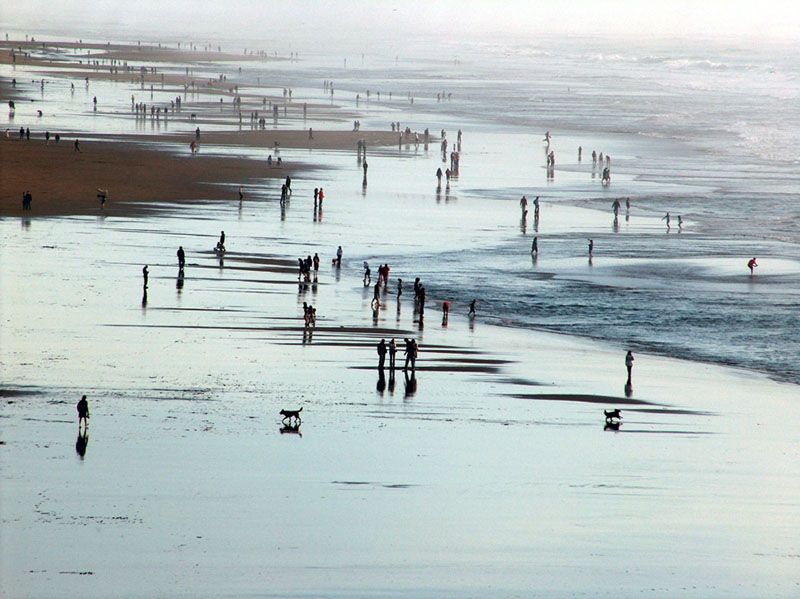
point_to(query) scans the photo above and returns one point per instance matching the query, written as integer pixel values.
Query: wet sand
(487, 473)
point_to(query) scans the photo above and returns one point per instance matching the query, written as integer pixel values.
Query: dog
(291, 414)
(611, 414)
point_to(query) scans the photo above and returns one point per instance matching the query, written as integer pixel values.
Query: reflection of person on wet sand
(381, 386)
(81, 443)
(411, 384)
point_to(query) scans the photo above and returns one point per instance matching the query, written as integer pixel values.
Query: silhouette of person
(392, 352)
(629, 365)
(471, 313)
(181, 258)
(751, 264)
(145, 274)
(83, 413)
(381, 354)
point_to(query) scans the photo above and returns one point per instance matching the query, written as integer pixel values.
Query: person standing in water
(591, 246)
(751, 264)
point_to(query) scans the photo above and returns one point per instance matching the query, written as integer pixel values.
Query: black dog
(611, 414)
(291, 414)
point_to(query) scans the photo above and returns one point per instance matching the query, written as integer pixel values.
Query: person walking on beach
(102, 195)
(78, 147)
(471, 313)
(181, 258)
(591, 247)
(367, 277)
(316, 197)
(615, 207)
(666, 218)
(339, 253)
(83, 413)
(536, 208)
(221, 243)
(535, 246)
(316, 265)
(523, 204)
(381, 354)
(751, 264)
(580, 153)
(145, 274)
(629, 366)
(445, 313)
(439, 176)
(321, 197)
(376, 297)
(399, 288)
(241, 193)
(411, 354)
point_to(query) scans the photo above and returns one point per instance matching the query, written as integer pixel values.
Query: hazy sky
(770, 18)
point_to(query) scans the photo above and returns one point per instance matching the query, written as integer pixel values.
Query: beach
(490, 470)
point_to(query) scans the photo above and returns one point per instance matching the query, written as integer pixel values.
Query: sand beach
(489, 470)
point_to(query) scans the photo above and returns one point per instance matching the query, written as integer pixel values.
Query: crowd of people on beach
(308, 267)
